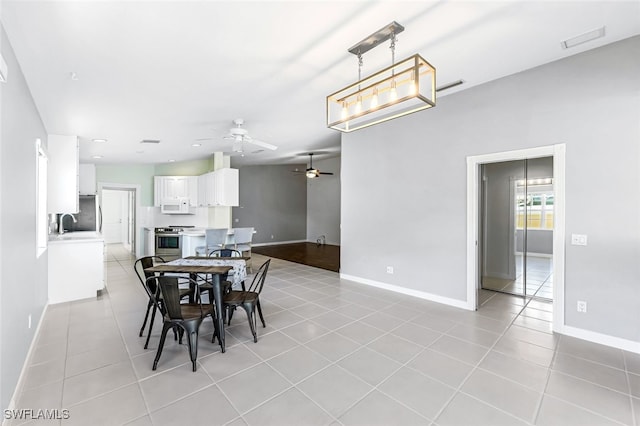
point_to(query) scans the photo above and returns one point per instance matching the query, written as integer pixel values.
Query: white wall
(404, 182)
(323, 202)
(23, 276)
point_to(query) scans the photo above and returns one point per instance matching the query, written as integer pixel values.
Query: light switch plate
(578, 240)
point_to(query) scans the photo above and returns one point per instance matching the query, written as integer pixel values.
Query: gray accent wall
(404, 182)
(323, 202)
(273, 200)
(23, 275)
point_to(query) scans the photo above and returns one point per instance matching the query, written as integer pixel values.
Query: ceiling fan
(239, 135)
(311, 172)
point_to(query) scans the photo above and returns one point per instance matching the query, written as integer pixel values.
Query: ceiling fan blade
(261, 143)
(325, 173)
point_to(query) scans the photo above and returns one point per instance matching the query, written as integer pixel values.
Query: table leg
(192, 289)
(218, 300)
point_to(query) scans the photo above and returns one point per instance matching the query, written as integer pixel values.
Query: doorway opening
(516, 227)
(515, 234)
(119, 203)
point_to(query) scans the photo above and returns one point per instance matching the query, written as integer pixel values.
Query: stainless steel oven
(168, 243)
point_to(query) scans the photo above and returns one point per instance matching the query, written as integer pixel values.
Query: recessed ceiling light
(172, 161)
(149, 141)
(96, 156)
(99, 140)
(196, 144)
(582, 38)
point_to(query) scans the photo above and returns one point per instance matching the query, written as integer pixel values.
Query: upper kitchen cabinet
(62, 174)
(87, 181)
(219, 188)
(175, 187)
(227, 187)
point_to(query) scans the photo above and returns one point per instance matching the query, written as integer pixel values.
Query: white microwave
(175, 206)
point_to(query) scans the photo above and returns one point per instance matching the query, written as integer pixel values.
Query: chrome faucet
(61, 223)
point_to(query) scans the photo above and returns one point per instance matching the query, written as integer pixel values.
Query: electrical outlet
(389, 269)
(578, 240)
(272, 237)
(236, 220)
(29, 320)
(582, 306)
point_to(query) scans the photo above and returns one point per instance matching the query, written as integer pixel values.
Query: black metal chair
(226, 282)
(186, 317)
(248, 299)
(139, 267)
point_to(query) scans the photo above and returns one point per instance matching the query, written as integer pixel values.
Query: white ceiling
(182, 71)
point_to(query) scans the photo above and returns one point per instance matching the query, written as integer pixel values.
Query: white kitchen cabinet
(221, 188)
(76, 268)
(62, 175)
(227, 187)
(175, 187)
(87, 179)
(202, 190)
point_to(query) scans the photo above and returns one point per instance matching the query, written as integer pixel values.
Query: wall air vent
(149, 141)
(448, 86)
(582, 38)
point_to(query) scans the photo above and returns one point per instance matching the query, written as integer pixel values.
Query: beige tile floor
(333, 353)
(539, 278)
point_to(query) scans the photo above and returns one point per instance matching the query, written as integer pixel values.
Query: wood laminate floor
(320, 256)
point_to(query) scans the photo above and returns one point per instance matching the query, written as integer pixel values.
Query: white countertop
(193, 233)
(76, 237)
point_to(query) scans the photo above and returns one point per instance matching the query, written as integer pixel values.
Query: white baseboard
(603, 339)
(591, 336)
(278, 243)
(410, 292)
(18, 390)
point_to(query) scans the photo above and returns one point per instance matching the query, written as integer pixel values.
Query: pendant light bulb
(374, 98)
(412, 84)
(358, 104)
(345, 111)
(393, 94)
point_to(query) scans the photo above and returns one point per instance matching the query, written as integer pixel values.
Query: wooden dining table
(216, 272)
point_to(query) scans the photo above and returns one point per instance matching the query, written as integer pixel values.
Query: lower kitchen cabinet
(76, 269)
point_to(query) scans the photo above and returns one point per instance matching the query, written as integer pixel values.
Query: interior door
(112, 216)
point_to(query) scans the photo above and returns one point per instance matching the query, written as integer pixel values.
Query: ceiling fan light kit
(240, 135)
(312, 172)
(403, 88)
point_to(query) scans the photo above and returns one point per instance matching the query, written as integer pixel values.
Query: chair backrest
(170, 292)
(143, 263)
(225, 253)
(215, 237)
(242, 235)
(259, 278)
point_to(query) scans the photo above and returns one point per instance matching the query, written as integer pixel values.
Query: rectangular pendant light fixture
(403, 88)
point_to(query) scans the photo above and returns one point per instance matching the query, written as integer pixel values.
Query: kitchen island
(76, 266)
(190, 240)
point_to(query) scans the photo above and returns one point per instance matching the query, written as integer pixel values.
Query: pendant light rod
(380, 36)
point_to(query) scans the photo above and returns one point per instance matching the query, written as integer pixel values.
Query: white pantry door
(112, 215)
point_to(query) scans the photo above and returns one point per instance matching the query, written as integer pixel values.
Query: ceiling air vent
(149, 141)
(582, 38)
(449, 85)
